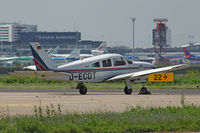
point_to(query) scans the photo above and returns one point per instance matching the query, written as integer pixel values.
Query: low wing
(136, 75)
(41, 74)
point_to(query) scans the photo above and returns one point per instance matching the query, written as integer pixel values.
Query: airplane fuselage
(99, 69)
(193, 58)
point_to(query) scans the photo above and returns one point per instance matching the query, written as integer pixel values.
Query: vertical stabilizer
(55, 51)
(102, 47)
(100, 50)
(187, 53)
(74, 55)
(42, 61)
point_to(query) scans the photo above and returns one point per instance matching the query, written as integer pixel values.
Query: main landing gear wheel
(82, 88)
(127, 91)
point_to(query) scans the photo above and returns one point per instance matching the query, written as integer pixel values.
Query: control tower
(161, 39)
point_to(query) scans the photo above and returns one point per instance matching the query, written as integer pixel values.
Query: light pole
(76, 40)
(133, 19)
(1, 47)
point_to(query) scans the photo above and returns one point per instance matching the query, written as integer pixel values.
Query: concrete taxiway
(120, 91)
(20, 101)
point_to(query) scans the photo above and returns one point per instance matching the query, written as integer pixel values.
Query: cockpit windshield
(118, 61)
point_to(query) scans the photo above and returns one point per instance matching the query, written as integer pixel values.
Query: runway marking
(23, 103)
(58, 102)
(15, 105)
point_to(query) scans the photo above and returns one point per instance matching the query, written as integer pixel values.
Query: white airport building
(9, 31)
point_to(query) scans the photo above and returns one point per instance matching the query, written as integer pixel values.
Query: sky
(108, 20)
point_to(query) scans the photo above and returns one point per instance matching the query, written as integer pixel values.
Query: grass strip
(152, 119)
(191, 80)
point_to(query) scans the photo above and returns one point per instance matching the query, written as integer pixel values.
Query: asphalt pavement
(153, 91)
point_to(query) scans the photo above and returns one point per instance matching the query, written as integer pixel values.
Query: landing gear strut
(128, 87)
(82, 88)
(127, 91)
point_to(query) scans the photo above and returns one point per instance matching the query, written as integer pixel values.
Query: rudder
(41, 59)
(187, 53)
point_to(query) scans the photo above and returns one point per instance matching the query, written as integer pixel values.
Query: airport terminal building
(15, 38)
(67, 41)
(9, 32)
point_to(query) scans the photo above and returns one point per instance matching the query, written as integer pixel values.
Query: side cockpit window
(97, 64)
(107, 63)
(119, 61)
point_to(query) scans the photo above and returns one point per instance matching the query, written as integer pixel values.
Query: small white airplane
(101, 68)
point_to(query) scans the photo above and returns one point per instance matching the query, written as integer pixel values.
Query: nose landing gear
(144, 90)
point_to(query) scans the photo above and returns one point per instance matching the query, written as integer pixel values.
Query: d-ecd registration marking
(161, 77)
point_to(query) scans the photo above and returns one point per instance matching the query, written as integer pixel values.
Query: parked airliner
(76, 53)
(189, 56)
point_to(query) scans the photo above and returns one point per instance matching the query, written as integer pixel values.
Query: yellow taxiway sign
(161, 77)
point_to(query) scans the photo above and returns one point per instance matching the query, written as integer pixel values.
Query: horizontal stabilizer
(39, 74)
